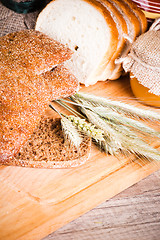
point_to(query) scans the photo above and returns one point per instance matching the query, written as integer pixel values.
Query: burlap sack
(11, 21)
(143, 61)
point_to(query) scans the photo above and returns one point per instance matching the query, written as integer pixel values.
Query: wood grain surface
(36, 202)
(131, 215)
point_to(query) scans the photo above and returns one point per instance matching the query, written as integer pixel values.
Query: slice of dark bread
(46, 148)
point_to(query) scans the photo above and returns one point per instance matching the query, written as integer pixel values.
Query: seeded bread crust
(23, 101)
(31, 50)
(46, 148)
(60, 82)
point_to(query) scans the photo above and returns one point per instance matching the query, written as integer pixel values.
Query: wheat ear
(130, 142)
(70, 133)
(131, 123)
(87, 128)
(109, 132)
(118, 106)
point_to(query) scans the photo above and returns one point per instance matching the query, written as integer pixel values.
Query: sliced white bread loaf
(86, 27)
(97, 31)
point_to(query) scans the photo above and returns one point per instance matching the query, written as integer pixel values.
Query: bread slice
(24, 92)
(88, 29)
(139, 14)
(31, 50)
(46, 148)
(134, 29)
(131, 19)
(122, 30)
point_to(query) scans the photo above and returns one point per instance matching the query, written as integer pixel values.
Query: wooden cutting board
(36, 202)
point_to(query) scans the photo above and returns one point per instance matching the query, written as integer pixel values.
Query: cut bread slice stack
(46, 148)
(121, 26)
(96, 30)
(139, 14)
(136, 25)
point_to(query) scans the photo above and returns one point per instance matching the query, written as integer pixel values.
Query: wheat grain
(87, 128)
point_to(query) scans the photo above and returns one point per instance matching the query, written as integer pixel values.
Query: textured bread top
(60, 82)
(31, 50)
(46, 148)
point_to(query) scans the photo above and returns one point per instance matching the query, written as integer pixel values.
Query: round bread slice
(88, 29)
(46, 148)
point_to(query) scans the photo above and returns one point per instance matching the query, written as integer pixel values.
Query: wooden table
(131, 215)
(36, 202)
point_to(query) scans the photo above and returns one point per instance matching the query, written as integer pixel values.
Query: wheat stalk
(117, 106)
(131, 123)
(132, 143)
(109, 132)
(112, 130)
(70, 133)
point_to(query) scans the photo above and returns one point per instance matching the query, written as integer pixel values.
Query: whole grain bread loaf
(46, 148)
(25, 95)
